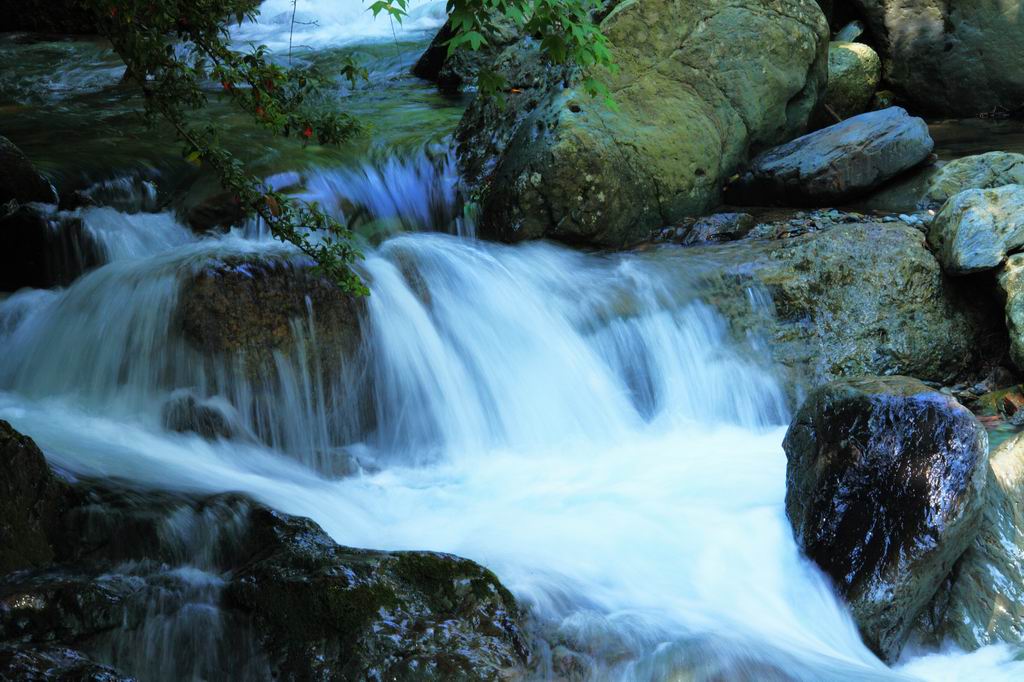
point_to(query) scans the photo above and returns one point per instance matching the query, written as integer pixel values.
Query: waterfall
(586, 425)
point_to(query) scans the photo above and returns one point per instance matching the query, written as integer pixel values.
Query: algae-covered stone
(985, 601)
(700, 83)
(884, 488)
(981, 171)
(838, 163)
(951, 57)
(977, 228)
(854, 71)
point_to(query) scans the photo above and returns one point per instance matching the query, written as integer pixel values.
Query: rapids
(585, 425)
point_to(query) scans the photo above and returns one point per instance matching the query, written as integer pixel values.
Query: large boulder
(951, 57)
(977, 228)
(884, 489)
(254, 307)
(981, 171)
(700, 84)
(330, 612)
(19, 180)
(838, 163)
(32, 500)
(984, 603)
(855, 298)
(854, 71)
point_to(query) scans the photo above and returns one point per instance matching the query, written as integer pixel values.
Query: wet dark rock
(19, 180)
(53, 664)
(836, 164)
(252, 308)
(884, 488)
(715, 228)
(65, 604)
(454, 72)
(951, 57)
(185, 414)
(32, 501)
(553, 162)
(839, 296)
(218, 212)
(41, 249)
(330, 612)
(983, 603)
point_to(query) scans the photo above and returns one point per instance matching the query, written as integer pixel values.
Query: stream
(583, 424)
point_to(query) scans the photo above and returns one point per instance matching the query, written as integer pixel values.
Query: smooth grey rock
(884, 488)
(837, 163)
(977, 228)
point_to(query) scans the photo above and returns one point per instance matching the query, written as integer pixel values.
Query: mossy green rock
(976, 229)
(700, 84)
(981, 171)
(854, 70)
(884, 489)
(984, 603)
(330, 612)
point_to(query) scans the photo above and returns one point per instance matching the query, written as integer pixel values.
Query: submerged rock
(982, 171)
(854, 71)
(884, 490)
(951, 57)
(850, 299)
(976, 229)
(252, 308)
(330, 612)
(185, 414)
(984, 603)
(838, 163)
(700, 84)
(32, 501)
(19, 180)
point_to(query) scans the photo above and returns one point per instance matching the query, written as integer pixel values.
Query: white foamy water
(318, 24)
(581, 424)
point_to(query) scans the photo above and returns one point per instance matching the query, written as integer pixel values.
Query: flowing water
(583, 424)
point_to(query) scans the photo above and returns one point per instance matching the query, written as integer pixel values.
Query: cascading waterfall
(582, 424)
(586, 425)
